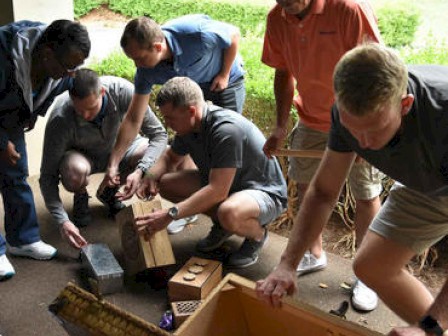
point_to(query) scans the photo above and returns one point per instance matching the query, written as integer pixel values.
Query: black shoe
(81, 211)
(107, 197)
(248, 253)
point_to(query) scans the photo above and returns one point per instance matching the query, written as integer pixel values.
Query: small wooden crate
(189, 284)
(140, 254)
(183, 309)
(234, 309)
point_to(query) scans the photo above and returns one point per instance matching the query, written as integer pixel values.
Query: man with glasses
(36, 61)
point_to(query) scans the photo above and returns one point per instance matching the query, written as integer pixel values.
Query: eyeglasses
(66, 68)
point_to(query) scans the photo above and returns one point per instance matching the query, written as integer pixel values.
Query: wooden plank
(312, 154)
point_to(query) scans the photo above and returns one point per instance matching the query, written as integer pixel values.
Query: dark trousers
(231, 98)
(21, 224)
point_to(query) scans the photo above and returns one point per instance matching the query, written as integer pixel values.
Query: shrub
(82, 7)
(431, 52)
(398, 25)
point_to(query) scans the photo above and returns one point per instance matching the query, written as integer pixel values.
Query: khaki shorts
(412, 219)
(364, 179)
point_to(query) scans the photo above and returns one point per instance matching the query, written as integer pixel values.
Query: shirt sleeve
(141, 82)
(56, 143)
(157, 140)
(363, 25)
(217, 34)
(272, 46)
(336, 139)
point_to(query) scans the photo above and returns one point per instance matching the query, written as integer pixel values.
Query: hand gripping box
(103, 268)
(195, 280)
(140, 254)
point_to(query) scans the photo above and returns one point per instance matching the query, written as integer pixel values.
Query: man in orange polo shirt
(304, 40)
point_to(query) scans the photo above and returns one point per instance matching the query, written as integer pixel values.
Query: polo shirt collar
(172, 42)
(317, 8)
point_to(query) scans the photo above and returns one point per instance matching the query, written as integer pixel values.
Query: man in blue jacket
(35, 65)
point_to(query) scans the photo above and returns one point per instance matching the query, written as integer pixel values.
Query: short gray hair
(180, 91)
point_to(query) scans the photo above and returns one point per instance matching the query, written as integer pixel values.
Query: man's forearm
(284, 94)
(229, 55)
(53, 203)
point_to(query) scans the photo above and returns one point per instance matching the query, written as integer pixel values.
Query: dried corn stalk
(82, 313)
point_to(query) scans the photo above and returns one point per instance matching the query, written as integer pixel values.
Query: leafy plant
(398, 25)
(82, 7)
(431, 52)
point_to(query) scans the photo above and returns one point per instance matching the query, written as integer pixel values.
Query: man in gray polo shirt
(235, 183)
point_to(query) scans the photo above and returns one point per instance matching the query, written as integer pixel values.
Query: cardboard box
(195, 280)
(232, 309)
(140, 254)
(103, 268)
(182, 310)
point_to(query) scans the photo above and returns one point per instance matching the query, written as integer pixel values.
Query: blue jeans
(21, 224)
(231, 98)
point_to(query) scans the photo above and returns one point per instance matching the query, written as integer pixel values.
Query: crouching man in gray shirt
(79, 138)
(234, 183)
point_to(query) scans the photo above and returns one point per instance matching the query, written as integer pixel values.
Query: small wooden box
(140, 254)
(185, 285)
(182, 310)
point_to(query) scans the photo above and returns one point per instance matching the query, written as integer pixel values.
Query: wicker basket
(82, 313)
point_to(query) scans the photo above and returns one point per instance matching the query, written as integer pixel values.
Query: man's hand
(281, 281)
(407, 331)
(149, 187)
(150, 223)
(220, 83)
(10, 155)
(274, 141)
(132, 184)
(70, 232)
(111, 179)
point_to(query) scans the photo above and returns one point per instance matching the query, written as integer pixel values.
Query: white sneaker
(310, 263)
(6, 269)
(363, 298)
(38, 250)
(178, 225)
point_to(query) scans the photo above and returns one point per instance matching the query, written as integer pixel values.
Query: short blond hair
(180, 92)
(369, 77)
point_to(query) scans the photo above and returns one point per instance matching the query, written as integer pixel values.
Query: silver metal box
(103, 268)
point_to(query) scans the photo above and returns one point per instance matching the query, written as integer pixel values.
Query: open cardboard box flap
(234, 309)
(231, 309)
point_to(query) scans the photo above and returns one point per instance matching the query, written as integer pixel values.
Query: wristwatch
(173, 212)
(430, 325)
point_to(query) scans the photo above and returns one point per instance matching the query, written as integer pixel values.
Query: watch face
(172, 212)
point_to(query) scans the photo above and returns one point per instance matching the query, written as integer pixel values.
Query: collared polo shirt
(310, 49)
(197, 43)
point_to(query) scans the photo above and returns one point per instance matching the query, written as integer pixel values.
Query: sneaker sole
(7, 276)
(312, 270)
(28, 255)
(243, 265)
(361, 308)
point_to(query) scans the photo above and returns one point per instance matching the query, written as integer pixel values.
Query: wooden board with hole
(195, 280)
(140, 254)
